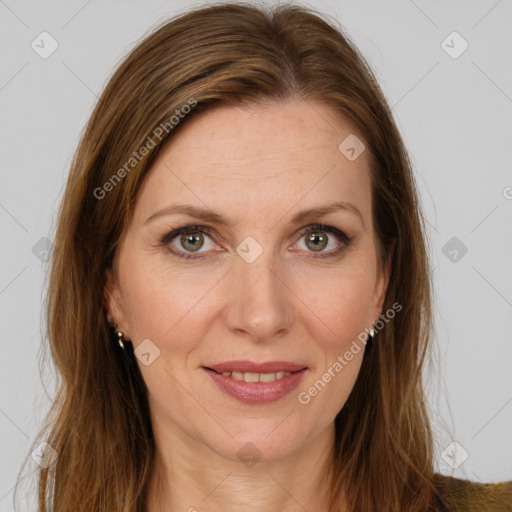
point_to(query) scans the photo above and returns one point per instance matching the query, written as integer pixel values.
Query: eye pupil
(319, 241)
(193, 240)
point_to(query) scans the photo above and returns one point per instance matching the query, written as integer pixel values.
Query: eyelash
(169, 237)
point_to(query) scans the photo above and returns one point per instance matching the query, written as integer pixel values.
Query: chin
(258, 443)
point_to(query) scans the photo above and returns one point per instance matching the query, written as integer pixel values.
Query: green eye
(318, 241)
(192, 239)
(192, 242)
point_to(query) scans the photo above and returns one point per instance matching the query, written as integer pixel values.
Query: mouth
(256, 383)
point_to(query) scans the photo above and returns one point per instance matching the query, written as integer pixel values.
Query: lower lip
(257, 392)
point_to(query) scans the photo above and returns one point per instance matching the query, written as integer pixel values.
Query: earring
(120, 339)
(125, 354)
(371, 335)
(117, 335)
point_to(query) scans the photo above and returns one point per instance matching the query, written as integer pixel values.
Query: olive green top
(466, 496)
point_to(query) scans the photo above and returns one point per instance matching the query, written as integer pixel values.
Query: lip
(257, 392)
(250, 366)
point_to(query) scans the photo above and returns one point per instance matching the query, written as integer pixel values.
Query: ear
(112, 302)
(383, 281)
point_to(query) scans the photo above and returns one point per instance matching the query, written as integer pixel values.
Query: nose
(261, 305)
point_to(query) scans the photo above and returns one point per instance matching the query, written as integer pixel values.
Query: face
(253, 278)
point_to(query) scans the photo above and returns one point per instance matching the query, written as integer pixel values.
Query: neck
(189, 476)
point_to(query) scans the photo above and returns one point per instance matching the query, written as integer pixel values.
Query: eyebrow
(206, 214)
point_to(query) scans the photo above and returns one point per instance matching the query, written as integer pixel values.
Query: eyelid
(311, 228)
(173, 233)
(189, 228)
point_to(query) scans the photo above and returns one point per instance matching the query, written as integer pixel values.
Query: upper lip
(250, 366)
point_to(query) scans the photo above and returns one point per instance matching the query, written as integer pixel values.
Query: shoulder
(464, 495)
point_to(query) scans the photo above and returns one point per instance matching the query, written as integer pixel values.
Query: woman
(246, 376)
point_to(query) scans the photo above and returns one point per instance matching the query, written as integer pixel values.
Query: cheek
(338, 311)
(171, 310)
(341, 302)
(339, 307)
(160, 303)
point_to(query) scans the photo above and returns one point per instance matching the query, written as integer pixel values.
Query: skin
(258, 166)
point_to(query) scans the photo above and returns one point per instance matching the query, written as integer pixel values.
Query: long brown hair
(99, 421)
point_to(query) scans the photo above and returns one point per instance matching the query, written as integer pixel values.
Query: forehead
(260, 156)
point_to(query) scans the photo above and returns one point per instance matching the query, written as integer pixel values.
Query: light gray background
(455, 116)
